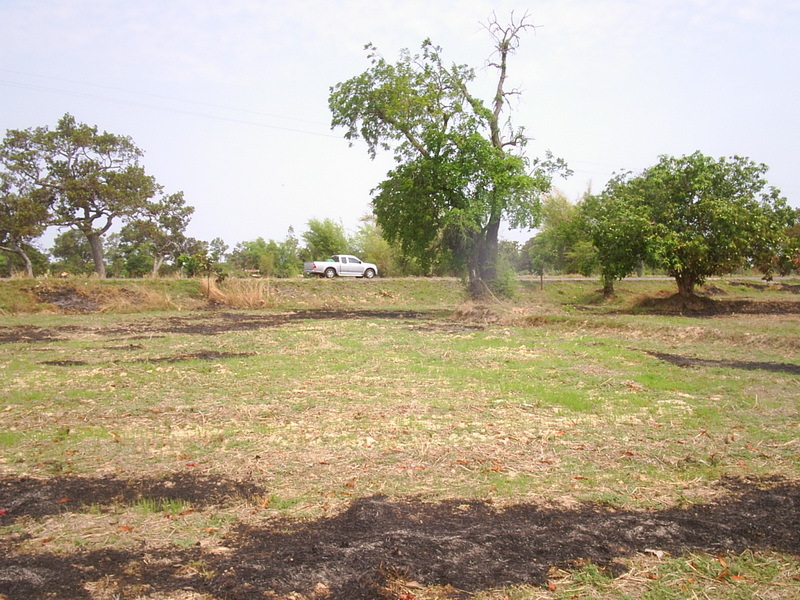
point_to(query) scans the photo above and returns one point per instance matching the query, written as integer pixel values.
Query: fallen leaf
(551, 586)
(64, 499)
(124, 527)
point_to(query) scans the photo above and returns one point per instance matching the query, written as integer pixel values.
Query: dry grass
(240, 293)
(497, 402)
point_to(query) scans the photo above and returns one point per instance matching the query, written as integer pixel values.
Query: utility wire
(176, 110)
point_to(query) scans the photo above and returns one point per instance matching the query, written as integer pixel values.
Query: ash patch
(209, 323)
(464, 546)
(68, 299)
(472, 545)
(205, 355)
(29, 333)
(64, 363)
(36, 498)
(688, 361)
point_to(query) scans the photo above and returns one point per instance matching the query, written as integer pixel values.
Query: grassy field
(155, 422)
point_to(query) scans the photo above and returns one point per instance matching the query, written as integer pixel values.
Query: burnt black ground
(467, 545)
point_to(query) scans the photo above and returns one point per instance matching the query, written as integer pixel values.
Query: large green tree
(461, 168)
(694, 217)
(620, 229)
(160, 230)
(23, 219)
(87, 178)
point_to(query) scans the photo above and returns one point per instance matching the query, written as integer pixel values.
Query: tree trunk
(158, 260)
(96, 244)
(686, 283)
(490, 249)
(17, 249)
(608, 286)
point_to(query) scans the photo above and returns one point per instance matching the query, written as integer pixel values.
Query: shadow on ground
(464, 546)
(748, 365)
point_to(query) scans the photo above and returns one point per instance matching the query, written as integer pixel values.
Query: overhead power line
(150, 106)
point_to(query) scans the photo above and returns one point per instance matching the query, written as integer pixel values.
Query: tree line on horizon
(461, 171)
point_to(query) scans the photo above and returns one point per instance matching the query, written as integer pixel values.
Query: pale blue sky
(229, 99)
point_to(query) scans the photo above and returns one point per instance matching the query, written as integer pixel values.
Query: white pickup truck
(343, 265)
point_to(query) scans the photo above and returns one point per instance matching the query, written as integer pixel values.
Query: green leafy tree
(249, 255)
(89, 178)
(162, 229)
(461, 169)
(324, 238)
(23, 219)
(287, 259)
(269, 258)
(370, 245)
(218, 249)
(557, 247)
(694, 217)
(125, 256)
(619, 229)
(197, 263)
(789, 259)
(72, 252)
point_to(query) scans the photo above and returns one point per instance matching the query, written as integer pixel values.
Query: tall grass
(240, 293)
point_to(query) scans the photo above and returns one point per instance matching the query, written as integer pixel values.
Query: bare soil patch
(461, 546)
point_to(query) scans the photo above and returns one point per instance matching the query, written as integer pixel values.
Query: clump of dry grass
(138, 298)
(240, 293)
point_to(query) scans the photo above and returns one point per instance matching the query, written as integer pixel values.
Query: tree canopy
(83, 178)
(693, 217)
(23, 218)
(460, 170)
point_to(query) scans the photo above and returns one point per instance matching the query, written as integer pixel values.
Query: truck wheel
(330, 273)
(369, 273)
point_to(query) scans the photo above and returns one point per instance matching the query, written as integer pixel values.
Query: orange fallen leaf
(551, 586)
(124, 528)
(64, 499)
